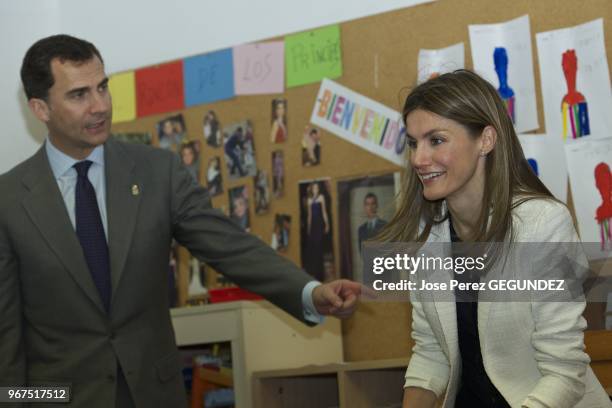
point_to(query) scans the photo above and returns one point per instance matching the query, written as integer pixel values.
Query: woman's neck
(464, 216)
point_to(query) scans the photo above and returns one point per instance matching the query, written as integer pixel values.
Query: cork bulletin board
(379, 58)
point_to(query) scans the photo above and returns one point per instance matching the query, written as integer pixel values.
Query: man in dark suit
(373, 224)
(85, 227)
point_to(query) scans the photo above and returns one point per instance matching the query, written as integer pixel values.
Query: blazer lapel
(45, 207)
(123, 191)
(446, 308)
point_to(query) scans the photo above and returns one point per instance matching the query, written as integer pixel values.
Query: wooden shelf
(262, 337)
(363, 384)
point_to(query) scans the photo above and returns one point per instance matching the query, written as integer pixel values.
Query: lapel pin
(135, 190)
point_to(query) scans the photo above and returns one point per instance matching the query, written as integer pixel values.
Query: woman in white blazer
(469, 181)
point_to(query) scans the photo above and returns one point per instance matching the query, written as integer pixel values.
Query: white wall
(135, 33)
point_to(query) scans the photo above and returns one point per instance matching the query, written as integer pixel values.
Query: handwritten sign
(123, 90)
(259, 68)
(209, 77)
(361, 121)
(159, 89)
(313, 55)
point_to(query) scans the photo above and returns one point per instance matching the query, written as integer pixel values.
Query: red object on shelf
(231, 295)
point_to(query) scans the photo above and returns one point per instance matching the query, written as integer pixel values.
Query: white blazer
(533, 352)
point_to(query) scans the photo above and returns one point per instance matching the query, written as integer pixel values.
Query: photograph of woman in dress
(278, 133)
(278, 173)
(316, 234)
(212, 129)
(213, 177)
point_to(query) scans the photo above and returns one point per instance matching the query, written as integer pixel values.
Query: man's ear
(39, 108)
(488, 140)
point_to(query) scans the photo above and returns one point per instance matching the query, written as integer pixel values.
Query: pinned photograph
(365, 205)
(214, 182)
(261, 192)
(280, 232)
(239, 150)
(171, 132)
(278, 173)
(311, 146)
(279, 133)
(212, 129)
(239, 206)
(134, 137)
(317, 250)
(190, 156)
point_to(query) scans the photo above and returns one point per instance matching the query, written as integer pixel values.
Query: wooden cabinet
(262, 337)
(363, 384)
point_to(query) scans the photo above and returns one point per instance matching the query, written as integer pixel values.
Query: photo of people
(239, 150)
(280, 233)
(278, 173)
(311, 146)
(134, 137)
(214, 182)
(279, 133)
(262, 192)
(171, 132)
(365, 205)
(239, 206)
(212, 129)
(190, 156)
(317, 251)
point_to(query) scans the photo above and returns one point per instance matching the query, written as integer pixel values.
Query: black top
(476, 389)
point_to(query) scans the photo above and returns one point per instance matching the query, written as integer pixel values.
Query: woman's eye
(411, 143)
(436, 141)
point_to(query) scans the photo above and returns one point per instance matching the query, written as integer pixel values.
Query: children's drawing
(574, 106)
(500, 59)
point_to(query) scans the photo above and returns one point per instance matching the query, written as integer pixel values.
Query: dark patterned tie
(90, 231)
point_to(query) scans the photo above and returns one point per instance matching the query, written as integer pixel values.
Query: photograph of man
(240, 150)
(373, 223)
(85, 225)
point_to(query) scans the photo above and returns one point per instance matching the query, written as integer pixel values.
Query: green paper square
(313, 55)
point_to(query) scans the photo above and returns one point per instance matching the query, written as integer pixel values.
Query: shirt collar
(61, 163)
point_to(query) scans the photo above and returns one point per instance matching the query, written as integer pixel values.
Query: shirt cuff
(310, 312)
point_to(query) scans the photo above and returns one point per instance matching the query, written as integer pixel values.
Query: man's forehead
(65, 69)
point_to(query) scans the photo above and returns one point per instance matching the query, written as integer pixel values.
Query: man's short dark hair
(370, 195)
(36, 74)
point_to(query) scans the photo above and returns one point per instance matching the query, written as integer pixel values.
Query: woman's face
(187, 155)
(167, 128)
(280, 110)
(315, 189)
(445, 157)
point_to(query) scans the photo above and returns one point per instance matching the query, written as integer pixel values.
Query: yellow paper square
(123, 90)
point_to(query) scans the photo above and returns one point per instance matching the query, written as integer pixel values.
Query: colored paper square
(209, 77)
(313, 55)
(123, 90)
(259, 68)
(159, 89)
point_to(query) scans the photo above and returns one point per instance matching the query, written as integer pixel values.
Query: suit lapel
(446, 309)
(45, 207)
(123, 192)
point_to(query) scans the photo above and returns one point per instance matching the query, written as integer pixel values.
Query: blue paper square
(209, 77)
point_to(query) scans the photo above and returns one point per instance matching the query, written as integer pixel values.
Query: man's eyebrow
(103, 82)
(78, 90)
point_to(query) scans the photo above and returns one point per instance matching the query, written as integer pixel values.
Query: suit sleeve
(215, 239)
(429, 367)
(12, 355)
(558, 338)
